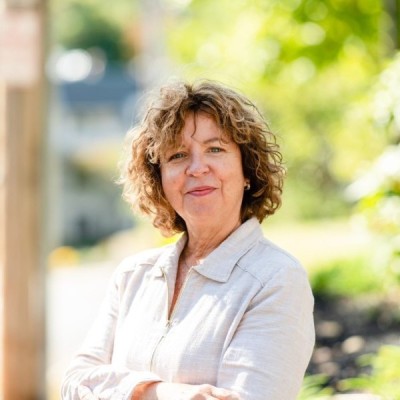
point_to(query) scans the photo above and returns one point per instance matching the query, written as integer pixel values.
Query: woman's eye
(176, 156)
(215, 149)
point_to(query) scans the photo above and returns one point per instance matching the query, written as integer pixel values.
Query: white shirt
(243, 321)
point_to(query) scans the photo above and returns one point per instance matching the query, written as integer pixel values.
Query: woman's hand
(181, 391)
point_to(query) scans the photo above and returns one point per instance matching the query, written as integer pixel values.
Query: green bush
(384, 379)
(314, 388)
(348, 277)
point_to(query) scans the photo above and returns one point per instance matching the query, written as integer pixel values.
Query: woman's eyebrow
(213, 139)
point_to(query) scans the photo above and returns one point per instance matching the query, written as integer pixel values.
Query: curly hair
(161, 128)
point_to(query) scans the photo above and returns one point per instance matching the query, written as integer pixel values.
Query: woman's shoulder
(143, 259)
(271, 264)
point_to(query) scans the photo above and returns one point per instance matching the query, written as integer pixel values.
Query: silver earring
(247, 186)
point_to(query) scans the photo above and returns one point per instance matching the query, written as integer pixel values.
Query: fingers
(218, 393)
(181, 391)
(224, 394)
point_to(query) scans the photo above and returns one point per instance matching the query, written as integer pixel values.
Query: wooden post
(22, 342)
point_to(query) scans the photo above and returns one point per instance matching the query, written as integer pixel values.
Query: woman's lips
(201, 191)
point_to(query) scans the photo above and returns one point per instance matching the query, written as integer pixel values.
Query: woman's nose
(197, 165)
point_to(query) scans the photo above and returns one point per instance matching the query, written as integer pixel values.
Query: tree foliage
(377, 190)
(94, 24)
(310, 65)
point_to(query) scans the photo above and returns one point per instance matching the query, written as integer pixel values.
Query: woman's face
(202, 177)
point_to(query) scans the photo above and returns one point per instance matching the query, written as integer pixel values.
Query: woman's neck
(203, 240)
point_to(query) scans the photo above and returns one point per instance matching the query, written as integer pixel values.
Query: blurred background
(326, 74)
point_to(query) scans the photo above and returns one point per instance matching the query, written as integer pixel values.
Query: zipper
(168, 323)
(166, 329)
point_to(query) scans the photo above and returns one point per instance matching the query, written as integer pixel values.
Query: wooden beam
(22, 355)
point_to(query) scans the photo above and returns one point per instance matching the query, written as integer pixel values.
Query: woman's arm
(91, 372)
(271, 348)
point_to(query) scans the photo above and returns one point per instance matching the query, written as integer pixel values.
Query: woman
(223, 313)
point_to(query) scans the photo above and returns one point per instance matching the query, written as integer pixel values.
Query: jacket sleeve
(92, 375)
(271, 348)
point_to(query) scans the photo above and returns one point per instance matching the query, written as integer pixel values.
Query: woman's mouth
(201, 191)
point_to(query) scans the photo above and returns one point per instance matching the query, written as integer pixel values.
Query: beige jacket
(243, 321)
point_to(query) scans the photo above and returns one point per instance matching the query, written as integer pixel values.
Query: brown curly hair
(161, 127)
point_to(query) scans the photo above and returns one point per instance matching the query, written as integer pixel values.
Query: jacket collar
(218, 265)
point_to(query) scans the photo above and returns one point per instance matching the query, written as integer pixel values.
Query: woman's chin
(202, 215)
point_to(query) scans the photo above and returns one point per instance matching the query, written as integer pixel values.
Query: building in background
(92, 105)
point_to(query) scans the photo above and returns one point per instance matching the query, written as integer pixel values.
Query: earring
(247, 186)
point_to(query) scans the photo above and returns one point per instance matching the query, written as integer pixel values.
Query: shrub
(314, 388)
(384, 379)
(346, 277)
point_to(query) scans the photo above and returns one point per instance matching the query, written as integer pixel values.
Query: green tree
(94, 24)
(309, 64)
